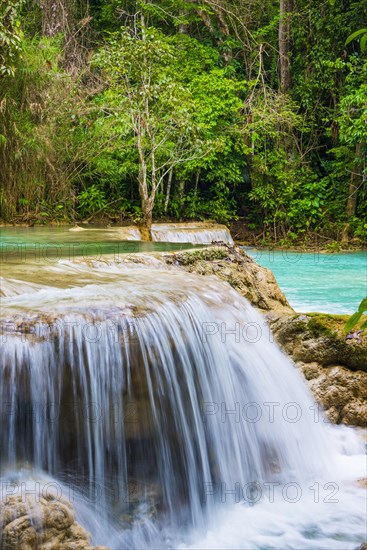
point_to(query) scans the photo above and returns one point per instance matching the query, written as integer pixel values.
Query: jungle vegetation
(136, 110)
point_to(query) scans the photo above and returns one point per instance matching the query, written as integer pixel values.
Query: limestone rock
(342, 393)
(355, 413)
(28, 523)
(233, 265)
(320, 338)
(335, 368)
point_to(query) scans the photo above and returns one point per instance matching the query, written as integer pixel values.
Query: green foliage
(91, 200)
(198, 84)
(286, 191)
(184, 114)
(37, 151)
(10, 35)
(356, 317)
(352, 114)
(218, 205)
(362, 35)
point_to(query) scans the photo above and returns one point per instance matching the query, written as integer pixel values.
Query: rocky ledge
(335, 368)
(233, 265)
(47, 524)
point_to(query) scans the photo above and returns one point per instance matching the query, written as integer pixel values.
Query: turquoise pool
(51, 244)
(330, 283)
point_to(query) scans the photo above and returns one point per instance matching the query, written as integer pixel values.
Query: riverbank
(305, 242)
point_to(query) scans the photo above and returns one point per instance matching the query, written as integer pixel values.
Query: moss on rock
(321, 338)
(334, 367)
(234, 266)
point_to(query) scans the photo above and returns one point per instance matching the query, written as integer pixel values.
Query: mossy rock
(322, 338)
(235, 267)
(192, 257)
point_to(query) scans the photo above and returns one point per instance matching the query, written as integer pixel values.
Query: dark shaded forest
(133, 111)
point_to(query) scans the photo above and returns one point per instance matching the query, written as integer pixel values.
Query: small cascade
(195, 233)
(151, 393)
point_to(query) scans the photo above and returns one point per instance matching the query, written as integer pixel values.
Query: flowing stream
(158, 403)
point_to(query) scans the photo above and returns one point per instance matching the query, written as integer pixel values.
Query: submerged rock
(27, 523)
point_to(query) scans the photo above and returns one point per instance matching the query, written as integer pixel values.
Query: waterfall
(195, 233)
(154, 395)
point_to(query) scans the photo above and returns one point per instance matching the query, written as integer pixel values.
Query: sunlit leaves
(356, 317)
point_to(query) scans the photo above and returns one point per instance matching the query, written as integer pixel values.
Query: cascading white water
(195, 233)
(170, 384)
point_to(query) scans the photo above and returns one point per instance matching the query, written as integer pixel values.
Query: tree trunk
(287, 139)
(182, 28)
(197, 178)
(284, 45)
(354, 182)
(145, 225)
(55, 14)
(71, 18)
(168, 191)
(355, 179)
(181, 191)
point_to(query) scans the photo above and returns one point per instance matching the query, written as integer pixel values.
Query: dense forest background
(186, 110)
